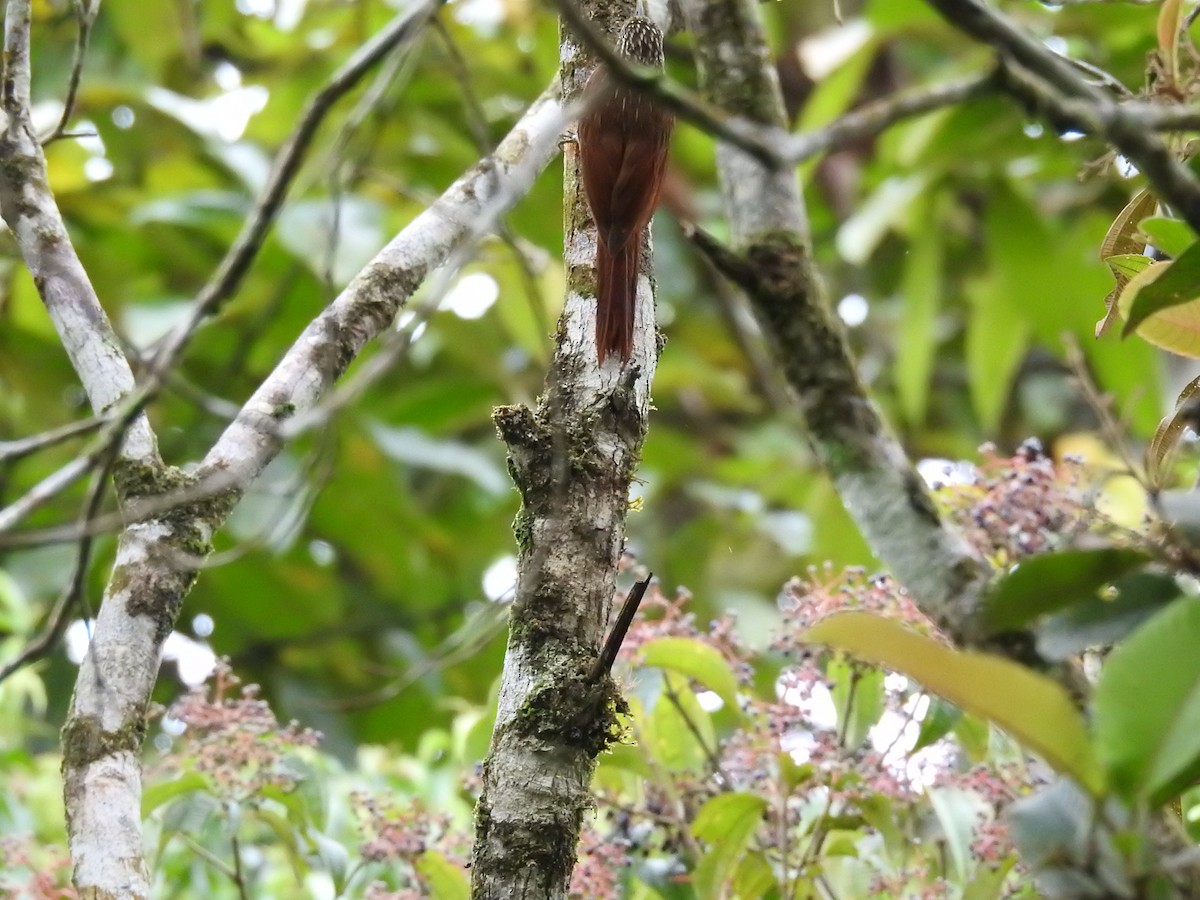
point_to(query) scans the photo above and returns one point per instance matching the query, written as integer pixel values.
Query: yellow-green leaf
(727, 823)
(1174, 327)
(694, 659)
(1033, 709)
(445, 880)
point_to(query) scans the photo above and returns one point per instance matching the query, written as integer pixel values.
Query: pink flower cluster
(1019, 506)
(235, 738)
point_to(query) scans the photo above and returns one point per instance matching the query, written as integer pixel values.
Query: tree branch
(402, 31)
(28, 207)
(85, 18)
(771, 259)
(572, 459)
(156, 557)
(73, 594)
(1050, 86)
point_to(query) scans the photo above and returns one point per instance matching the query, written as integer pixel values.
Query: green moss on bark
(84, 740)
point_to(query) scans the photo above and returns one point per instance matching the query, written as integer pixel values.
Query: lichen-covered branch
(772, 260)
(156, 556)
(31, 213)
(572, 460)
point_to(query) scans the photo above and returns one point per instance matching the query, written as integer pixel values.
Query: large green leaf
(1102, 620)
(1147, 705)
(1178, 283)
(997, 337)
(678, 733)
(727, 822)
(1054, 581)
(445, 880)
(694, 659)
(1032, 708)
(1171, 236)
(159, 792)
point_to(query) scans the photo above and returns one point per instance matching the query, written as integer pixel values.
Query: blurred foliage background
(358, 581)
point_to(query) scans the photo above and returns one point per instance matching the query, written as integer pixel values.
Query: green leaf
(940, 717)
(1058, 837)
(1147, 705)
(1171, 236)
(727, 822)
(626, 758)
(333, 856)
(997, 335)
(1033, 709)
(877, 215)
(189, 814)
(334, 240)
(916, 346)
(1182, 509)
(974, 735)
(289, 838)
(1053, 581)
(1128, 264)
(160, 792)
(1102, 621)
(1178, 283)
(865, 702)
(414, 447)
(695, 659)
(445, 880)
(1189, 808)
(957, 811)
(754, 877)
(678, 733)
(1166, 436)
(988, 883)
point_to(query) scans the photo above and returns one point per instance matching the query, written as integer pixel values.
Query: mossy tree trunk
(572, 460)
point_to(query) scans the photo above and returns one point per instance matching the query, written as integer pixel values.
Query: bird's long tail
(616, 298)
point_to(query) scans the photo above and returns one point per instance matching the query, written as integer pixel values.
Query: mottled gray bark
(771, 258)
(572, 460)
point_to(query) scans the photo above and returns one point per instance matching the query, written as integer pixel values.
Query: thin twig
(1050, 85)
(616, 637)
(85, 18)
(11, 451)
(878, 116)
(140, 510)
(403, 30)
(239, 879)
(477, 121)
(710, 753)
(73, 594)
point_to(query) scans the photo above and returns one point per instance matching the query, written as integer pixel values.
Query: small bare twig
(876, 117)
(612, 645)
(402, 31)
(85, 17)
(477, 121)
(11, 451)
(73, 594)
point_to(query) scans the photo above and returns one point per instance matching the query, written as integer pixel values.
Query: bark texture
(158, 554)
(771, 258)
(572, 460)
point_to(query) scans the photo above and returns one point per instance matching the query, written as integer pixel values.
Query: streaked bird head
(641, 41)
